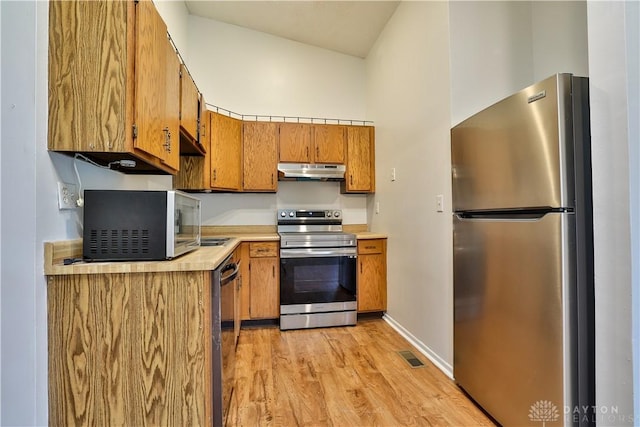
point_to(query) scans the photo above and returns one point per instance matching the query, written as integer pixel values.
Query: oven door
(317, 276)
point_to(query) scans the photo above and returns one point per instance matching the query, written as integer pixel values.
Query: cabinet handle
(272, 179)
(307, 152)
(351, 179)
(167, 139)
(273, 271)
(317, 151)
(361, 268)
(215, 174)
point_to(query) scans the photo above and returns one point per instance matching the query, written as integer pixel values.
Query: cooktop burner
(312, 228)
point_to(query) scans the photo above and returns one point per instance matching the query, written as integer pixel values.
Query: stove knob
(283, 214)
(336, 214)
(291, 214)
(328, 214)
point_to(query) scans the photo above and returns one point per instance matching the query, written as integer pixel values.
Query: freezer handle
(511, 214)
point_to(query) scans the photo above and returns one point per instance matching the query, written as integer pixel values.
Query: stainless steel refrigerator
(523, 256)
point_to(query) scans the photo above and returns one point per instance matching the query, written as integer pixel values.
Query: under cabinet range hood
(310, 172)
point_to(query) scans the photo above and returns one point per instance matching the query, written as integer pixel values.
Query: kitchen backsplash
(260, 209)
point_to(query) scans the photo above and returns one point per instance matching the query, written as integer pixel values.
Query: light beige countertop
(201, 259)
(363, 235)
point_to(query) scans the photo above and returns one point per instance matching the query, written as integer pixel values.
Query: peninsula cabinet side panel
(129, 349)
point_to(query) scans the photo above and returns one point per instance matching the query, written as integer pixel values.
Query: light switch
(439, 203)
(393, 174)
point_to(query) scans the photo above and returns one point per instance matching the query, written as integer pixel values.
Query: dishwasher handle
(235, 267)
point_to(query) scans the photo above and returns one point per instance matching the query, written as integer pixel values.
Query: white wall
(491, 53)
(611, 75)
(29, 214)
(410, 106)
(1, 103)
(559, 37)
(632, 15)
(500, 47)
(249, 72)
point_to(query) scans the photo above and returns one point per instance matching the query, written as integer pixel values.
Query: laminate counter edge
(202, 259)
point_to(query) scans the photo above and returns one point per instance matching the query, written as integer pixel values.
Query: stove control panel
(302, 216)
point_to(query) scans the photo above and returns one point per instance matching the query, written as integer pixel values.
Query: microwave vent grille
(119, 242)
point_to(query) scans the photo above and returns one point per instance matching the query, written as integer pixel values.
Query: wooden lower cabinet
(260, 297)
(130, 349)
(372, 275)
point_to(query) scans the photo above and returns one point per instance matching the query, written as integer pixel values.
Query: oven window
(317, 280)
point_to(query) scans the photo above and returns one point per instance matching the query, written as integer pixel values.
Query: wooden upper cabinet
(328, 141)
(307, 143)
(153, 124)
(226, 153)
(86, 111)
(360, 174)
(172, 154)
(260, 156)
(189, 105)
(295, 143)
(203, 124)
(107, 83)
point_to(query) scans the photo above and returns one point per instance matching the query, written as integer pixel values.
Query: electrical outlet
(377, 207)
(67, 196)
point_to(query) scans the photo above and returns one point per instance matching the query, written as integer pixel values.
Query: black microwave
(132, 225)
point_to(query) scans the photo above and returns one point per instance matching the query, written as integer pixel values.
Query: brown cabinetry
(360, 174)
(307, 143)
(329, 143)
(260, 156)
(372, 275)
(130, 349)
(261, 292)
(189, 104)
(110, 82)
(226, 153)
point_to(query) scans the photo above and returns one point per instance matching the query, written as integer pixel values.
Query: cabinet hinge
(135, 131)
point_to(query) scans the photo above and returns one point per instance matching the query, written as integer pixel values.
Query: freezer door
(513, 338)
(517, 153)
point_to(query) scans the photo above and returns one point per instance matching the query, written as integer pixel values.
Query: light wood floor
(350, 376)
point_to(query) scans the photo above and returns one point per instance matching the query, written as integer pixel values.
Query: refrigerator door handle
(511, 215)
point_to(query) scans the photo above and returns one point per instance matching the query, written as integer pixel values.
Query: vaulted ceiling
(349, 27)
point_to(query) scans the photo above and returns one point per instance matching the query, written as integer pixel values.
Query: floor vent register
(411, 358)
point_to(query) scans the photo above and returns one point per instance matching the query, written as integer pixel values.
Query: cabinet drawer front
(263, 249)
(370, 246)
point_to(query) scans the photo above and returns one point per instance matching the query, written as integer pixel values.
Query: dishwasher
(223, 337)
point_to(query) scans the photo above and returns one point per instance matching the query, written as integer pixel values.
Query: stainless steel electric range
(317, 270)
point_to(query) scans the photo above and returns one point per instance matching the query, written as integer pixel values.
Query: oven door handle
(318, 252)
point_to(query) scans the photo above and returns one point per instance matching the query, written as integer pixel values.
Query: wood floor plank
(351, 376)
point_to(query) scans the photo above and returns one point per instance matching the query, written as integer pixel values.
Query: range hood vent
(310, 172)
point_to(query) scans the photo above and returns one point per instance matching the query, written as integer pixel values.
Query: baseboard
(441, 364)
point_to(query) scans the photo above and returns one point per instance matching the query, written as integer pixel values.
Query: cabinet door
(226, 152)
(172, 117)
(150, 99)
(359, 177)
(260, 151)
(265, 288)
(329, 143)
(189, 104)
(372, 275)
(295, 143)
(203, 124)
(88, 112)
